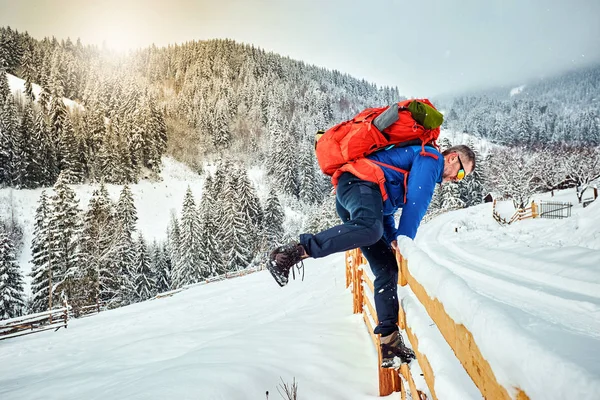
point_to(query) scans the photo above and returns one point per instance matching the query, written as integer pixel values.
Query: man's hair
(464, 151)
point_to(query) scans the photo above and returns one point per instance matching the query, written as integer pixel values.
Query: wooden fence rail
(456, 335)
(33, 323)
(531, 211)
(389, 380)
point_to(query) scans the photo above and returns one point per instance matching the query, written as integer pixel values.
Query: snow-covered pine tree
(70, 164)
(273, 220)
(172, 244)
(21, 151)
(93, 134)
(160, 269)
(474, 183)
(309, 188)
(221, 133)
(240, 254)
(125, 248)
(243, 214)
(286, 165)
(249, 205)
(58, 115)
(41, 272)
(44, 101)
(323, 216)
(452, 196)
(9, 126)
(4, 88)
(100, 274)
(156, 134)
(210, 252)
(189, 267)
(64, 229)
(11, 281)
(145, 281)
(45, 167)
(28, 71)
(32, 174)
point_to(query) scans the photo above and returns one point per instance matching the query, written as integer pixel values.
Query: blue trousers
(360, 206)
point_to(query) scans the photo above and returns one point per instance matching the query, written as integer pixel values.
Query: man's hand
(395, 245)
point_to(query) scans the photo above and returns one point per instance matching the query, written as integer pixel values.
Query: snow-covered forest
(230, 106)
(558, 110)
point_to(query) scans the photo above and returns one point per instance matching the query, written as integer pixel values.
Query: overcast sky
(425, 48)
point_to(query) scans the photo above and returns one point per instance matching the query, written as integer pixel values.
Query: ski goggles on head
(460, 175)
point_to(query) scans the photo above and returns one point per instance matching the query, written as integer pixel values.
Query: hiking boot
(394, 352)
(282, 259)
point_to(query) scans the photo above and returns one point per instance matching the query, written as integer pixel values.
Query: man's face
(453, 167)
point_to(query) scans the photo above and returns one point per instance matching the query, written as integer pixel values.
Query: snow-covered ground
(515, 91)
(17, 87)
(529, 293)
(229, 340)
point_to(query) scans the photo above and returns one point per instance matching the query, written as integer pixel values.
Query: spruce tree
(100, 275)
(210, 252)
(127, 218)
(249, 206)
(9, 126)
(161, 269)
(309, 192)
(70, 162)
(273, 220)
(41, 271)
(44, 168)
(64, 229)
(11, 281)
(20, 157)
(221, 133)
(4, 88)
(28, 72)
(474, 183)
(452, 199)
(189, 267)
(172, 244)
(145, 281)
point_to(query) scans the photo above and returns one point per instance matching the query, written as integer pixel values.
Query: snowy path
(553, 293)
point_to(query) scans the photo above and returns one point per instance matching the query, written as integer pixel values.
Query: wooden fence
(389, 380)
(531, 211)
(33, 323)
(456, 335)
(86, 311)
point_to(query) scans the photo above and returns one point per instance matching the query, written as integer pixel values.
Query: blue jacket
(424, 173)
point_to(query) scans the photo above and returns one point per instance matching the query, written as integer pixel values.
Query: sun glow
(117, 30)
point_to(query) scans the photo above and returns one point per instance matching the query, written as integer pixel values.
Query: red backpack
(343, 148)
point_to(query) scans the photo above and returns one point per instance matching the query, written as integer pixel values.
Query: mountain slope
(227, 340)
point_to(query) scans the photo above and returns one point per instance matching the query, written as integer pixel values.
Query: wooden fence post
(534, 209)
(359, 290)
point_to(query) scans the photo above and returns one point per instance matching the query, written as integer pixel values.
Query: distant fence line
(545, 209)
(555, 209)
(58, 318)
(33, 323)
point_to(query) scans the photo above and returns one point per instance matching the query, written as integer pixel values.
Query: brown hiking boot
(284, 258)
(393, 351)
